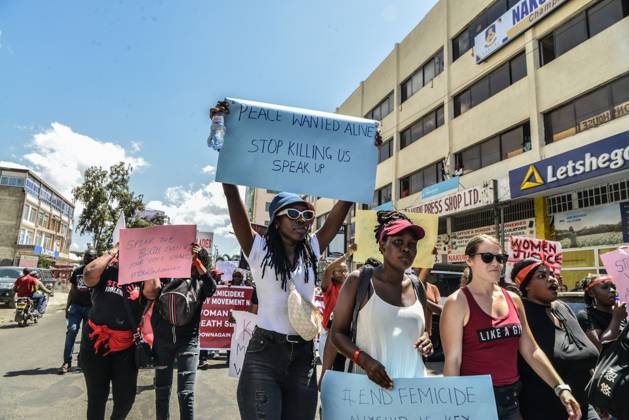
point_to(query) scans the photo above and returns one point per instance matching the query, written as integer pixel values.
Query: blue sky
(95, 82)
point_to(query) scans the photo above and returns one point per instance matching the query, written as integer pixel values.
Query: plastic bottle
(217, 132)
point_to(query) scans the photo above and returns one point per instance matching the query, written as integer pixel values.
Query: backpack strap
(363, 287)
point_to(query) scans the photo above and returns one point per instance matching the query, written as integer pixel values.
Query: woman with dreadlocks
(557, 331)
(604, 317)
(278, 377)
(391, 336)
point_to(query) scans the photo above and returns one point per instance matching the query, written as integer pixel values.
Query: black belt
(279, 337)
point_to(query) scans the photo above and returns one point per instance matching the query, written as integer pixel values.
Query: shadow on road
(31, 372)
(8, 326)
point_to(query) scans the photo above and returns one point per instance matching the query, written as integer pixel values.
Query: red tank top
(490, 345)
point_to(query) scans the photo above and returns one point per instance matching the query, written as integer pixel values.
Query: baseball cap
(400, 225)
(216, 272)
(285, 199)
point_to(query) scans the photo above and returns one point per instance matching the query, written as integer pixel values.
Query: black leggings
(117, 368)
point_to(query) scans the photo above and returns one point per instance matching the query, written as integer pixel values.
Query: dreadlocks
(277, 259)
(386, 217)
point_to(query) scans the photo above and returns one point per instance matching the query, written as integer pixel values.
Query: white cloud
(136, 146)
(6, 164)
(61, 156)
(209, 170)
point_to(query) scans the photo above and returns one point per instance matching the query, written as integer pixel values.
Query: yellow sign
(366, 221)
(537, 179)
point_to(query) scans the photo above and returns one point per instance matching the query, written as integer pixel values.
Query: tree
(105, 194)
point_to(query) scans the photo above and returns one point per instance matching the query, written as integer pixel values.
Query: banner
(298, 150)
(205, 240)
(366, 221)
(523, 247)
(592, 226)
(457, 202)
(215, 330)
(153, 252)
(227, 268)
(245, 324)
(351, 396)
(617, 265)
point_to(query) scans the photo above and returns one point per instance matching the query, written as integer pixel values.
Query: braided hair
(587, 298)
(386, 217)
(277, 259)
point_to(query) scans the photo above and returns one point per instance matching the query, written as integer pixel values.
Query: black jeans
(507, 401)
(187, 354)
(278, 378)
(117, 368)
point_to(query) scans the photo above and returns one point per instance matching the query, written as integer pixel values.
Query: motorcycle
(25, 311)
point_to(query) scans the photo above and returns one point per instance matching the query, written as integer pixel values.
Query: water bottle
(217, 132)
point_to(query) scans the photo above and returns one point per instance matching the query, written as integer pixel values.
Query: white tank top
(388, 334)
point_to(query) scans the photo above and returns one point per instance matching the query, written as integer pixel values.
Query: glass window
(604, 15)
(496, 10)
(477, 26)
(512, 142)
(518, 68)
(430, 176)
(441, 118)
(439, 62)
(593, 106)
(405, 187)
(417, 181)
(471, 159)
(407, 90)
(417, 130)
(490, 151)
(405, 138)
(480, 91)
(620, 93)
(385, 194)
(571, 34)
(39, 238)
(384, 151)
(547, 49)
(562, 123)
(429, 123)
(499, 79)
(461, 44)
(462, 103)
(429, 71)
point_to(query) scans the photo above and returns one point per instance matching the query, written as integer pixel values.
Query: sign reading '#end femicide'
(298, 150)
(348, 396)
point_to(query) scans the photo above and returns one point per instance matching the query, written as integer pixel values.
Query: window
(12, 181)
(589, 110)
(47, 244)
(32, 187)
(42, 219)
(39, 238)
(30, 213)
(582, 27)
(602, 194)
(422, 76)
(384, 108)
(64, 229)
(267, 206)
(26, 237)
(429, 122)
(560, 203)
(57, 246)
(491, 84)
(421, 179)
(503, 146)
(385, 150)
(381, 196)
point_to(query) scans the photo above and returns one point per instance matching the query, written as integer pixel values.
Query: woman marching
(107, 345)
(391, 336)
(278, 377)
(557, 331)
(484, 327)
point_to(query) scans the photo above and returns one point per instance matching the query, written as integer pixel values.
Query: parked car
(8, 275)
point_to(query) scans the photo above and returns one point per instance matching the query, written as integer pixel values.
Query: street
(32, 389)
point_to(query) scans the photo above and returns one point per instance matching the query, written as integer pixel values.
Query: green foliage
(105, 194)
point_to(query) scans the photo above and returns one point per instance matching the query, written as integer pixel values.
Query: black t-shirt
(108, 307)
(79, 293)
(571, 353)
(594, 319)
(163, 330)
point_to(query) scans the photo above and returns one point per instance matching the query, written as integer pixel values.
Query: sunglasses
(488, 257)
(295, 214)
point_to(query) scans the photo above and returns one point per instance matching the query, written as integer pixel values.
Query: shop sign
(596, 159)
(453, 244)
(459, 201)
(507, 27)
(441, 188)
(592, 226)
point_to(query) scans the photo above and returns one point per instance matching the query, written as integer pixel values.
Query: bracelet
(561, 388)
(357, 355)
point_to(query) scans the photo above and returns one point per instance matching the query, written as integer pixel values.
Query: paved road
(31, 389)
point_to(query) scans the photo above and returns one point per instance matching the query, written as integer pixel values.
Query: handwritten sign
(549, 251)
(158, 251)
(245, 324)
(366, 221)
(298, 150)
(215, 330)
(351, 396)
(617, 265)
(205, 240)
(227, 268)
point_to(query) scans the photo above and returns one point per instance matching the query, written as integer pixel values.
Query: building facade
(35, 220)
(257, 202)
(479, 92)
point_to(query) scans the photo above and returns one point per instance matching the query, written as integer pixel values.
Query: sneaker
(204, 365)
(64, 369)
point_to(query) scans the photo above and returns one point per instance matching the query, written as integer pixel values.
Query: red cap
(216, 272)
(401, 225)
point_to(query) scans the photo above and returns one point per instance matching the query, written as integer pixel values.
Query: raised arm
(333, 223)
(238, 217)
(93, 271)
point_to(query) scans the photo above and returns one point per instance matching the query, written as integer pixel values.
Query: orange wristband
(357, 355)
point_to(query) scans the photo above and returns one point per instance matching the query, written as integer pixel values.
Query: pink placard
(159, 251)
(617, 265)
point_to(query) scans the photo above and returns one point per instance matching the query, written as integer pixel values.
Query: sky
(86, 83)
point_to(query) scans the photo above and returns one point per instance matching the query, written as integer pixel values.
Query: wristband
(357, 355)
(561, 388)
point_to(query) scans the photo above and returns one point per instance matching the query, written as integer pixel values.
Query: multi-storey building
(257, 201)
(497, 98)
(35, 220)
